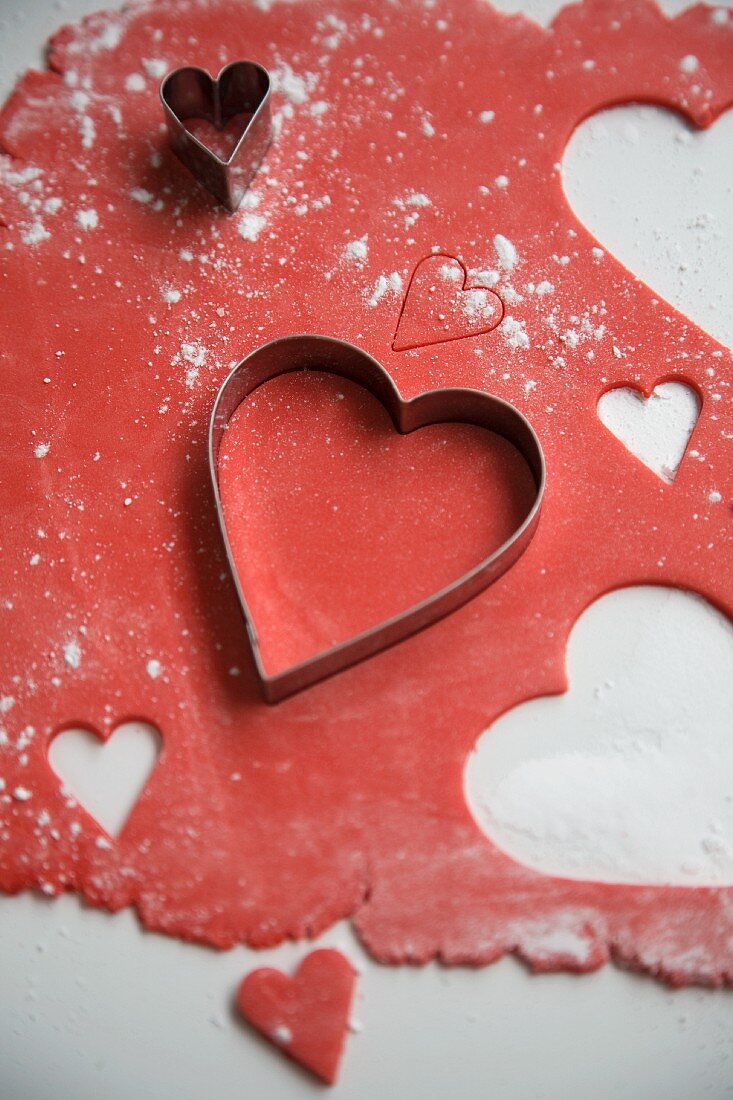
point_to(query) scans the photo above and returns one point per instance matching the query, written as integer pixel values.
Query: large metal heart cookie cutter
(241, 88)
(324, 354)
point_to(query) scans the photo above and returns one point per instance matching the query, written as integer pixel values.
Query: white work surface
(91, 1006)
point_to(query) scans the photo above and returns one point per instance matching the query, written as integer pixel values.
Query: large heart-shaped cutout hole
(106, 777)
(675, 233)
(625, 777)
(337, 523)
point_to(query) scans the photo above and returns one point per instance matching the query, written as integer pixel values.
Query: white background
(91, 1006)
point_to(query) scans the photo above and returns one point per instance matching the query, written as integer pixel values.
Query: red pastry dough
(126, 294)
(305, 1016)
(337, 522)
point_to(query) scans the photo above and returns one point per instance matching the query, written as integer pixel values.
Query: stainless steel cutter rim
(262, 107)
(191, 92)
(427, 611)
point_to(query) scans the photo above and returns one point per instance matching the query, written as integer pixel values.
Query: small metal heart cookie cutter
(243, 87)
(322, 353)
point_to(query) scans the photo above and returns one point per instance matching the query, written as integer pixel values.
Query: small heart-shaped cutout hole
(657, 429)
(106, 777)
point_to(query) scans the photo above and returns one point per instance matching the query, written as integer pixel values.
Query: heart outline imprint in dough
(440, 305)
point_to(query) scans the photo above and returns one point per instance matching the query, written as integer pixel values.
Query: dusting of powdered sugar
(386, 285)
(250, 226)
(282, 1035)
(72, 654)
(356, 251)
(505, 251)
(514, 333)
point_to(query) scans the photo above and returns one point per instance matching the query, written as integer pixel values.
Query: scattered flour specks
(251, 225)
(356, 251)
(411, 204)
(295, 88)
(194, 354)
(426, 126)
(87, 219)
(417, 198)
(155, 68)
(80, 100)
(109, 30)
(72, 654)
(505, 251)
(514, 333)
(139, 194)
(88, 132)
(560, 938)
(689, 64)
(477, 305)
(385, 285)
(35, 234)
(451, 273)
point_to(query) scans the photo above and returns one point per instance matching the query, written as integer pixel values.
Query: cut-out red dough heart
(305, 1016)
(442, 305)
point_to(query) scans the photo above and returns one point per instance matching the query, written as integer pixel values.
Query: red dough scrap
(305, 1016)
(125, 296)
